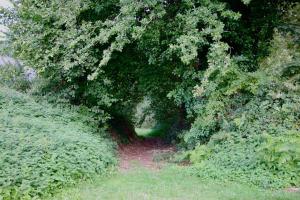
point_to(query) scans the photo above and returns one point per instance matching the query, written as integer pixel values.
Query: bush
(14, 77)
(282, 154)
(247, 122)
(43, 148)
(238, 148)
(200, 154)
(240, 160)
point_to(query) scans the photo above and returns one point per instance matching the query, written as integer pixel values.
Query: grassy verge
(169, 183)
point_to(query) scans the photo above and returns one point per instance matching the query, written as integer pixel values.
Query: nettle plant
(45, 148)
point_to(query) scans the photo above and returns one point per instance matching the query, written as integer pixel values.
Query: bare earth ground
(140, 152)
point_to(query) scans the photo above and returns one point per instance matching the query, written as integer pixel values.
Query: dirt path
(141, 152)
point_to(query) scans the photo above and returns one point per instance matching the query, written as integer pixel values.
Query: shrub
(282, 154)
(14, 77)
(43, 148)
(247, 122)
(240, 161)
(200, 154)
(238, 148)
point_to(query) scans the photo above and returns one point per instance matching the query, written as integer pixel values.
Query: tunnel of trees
(220, 79)
(110, 55)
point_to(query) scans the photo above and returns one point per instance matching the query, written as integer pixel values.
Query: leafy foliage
(282, 153)
(44, 148)
(248, 122)
(210, 65)
(89, 49)
(14, 77)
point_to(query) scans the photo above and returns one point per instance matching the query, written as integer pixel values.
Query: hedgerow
(247, 128)
(43, 148)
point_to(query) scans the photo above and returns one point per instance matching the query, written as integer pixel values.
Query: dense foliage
(110, 55)
(226, 71)
(14, 77)
(251, 122)
(43, 148)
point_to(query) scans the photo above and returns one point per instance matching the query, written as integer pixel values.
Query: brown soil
(140, 152)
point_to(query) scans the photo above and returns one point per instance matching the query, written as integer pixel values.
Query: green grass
(145, 132)
(157, 131)
(171, 183)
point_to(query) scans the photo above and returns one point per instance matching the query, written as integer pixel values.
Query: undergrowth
(43, 148)
(247, 126)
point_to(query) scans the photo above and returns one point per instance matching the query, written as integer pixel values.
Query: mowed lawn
(170, 183)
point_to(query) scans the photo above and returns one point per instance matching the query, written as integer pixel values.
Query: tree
(108, 55)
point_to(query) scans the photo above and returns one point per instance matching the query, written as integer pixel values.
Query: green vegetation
(146, 125)
(148, 132)
(223, 75)
(169, 183)
(248, 129)
(13, 77)
(43, 148)
(156, 131)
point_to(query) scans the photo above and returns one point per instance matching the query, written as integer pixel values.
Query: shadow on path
(141, 152)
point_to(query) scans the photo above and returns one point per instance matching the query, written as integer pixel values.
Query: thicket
(247, 127)
(227, 71)
(43, 148)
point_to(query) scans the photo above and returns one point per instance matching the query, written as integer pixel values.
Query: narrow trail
(141, 152)
(141, 177)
